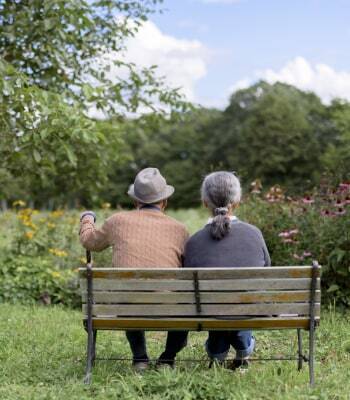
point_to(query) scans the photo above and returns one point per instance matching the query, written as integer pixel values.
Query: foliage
(42, 353)
(176, 146)
(70, 46)
(337, 155)
(29, 280)
(314, 227)
(275, 133)
(55, 61)
(35, 265)
(47, 146)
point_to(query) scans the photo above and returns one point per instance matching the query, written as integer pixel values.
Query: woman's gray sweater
(244, 246)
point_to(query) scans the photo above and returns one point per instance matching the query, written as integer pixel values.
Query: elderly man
(142, 238)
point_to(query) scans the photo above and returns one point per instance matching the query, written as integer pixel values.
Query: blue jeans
(219, 342)
(176, 341)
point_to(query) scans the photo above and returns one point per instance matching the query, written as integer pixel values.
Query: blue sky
(212, 47)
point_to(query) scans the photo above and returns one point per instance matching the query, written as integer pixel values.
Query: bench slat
(206, 323)
(205, 297)
(209, 285)
(203, 273)
(207, 309)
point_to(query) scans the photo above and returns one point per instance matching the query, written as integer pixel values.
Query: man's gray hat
(150, 187)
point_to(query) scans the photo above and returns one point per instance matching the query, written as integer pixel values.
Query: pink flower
(308, 200)
(287, 236)
(340, 211)
(287, 240)
(271, 199)
(298, 257)
(327, 213)
(284, 234)
(344, 186)
(307, 254)
(339, 203)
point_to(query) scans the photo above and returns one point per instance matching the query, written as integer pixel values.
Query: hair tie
(221, 211)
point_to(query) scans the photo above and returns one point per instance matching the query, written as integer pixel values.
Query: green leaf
(70, 154)
(36, 155)
(333, 288)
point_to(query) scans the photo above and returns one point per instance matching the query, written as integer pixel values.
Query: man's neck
(150, 207)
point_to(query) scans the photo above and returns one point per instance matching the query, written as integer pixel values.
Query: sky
(210, 48)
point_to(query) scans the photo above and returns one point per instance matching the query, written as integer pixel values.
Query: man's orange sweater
(140, 239)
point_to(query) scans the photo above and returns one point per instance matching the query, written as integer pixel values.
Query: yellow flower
(19, 203)
(58, 252)
(82, 260)
(29, 235)
(51, 225)
(55, 274)
(30, 224)
(106, 206)
(57, 213)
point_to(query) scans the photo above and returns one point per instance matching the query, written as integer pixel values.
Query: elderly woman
(226, 242)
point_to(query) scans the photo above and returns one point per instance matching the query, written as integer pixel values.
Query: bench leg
(89, 357)
(311, 354)
(300, 350)
(94, 347)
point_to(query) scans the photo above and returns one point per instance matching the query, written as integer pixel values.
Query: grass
(42, 356)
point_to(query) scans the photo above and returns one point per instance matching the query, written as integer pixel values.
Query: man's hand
(87, 213)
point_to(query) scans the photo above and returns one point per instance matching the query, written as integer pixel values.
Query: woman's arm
(266, 255)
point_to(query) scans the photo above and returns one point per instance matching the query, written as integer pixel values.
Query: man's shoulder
(174, 222)
(127, 215)
(119, 216)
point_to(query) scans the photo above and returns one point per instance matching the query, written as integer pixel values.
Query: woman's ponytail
(219, 191)
(221, 223)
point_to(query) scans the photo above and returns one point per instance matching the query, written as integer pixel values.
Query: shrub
(315, 227)
(28, 280)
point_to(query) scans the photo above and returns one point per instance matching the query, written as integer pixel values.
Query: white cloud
(181, 61)
(326, 82)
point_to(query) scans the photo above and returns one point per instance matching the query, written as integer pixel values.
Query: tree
(47, 146)
(51, 74)
(176, 145)
(69, 46)
(272, 132)
(337, 155)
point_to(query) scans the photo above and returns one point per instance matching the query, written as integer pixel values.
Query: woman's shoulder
(199, 236)
(249, 228)
(246, 225)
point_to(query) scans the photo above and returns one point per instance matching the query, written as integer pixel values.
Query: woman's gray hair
(219, 191)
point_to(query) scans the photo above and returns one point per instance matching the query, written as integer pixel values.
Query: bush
(315, 227)
(31, 279)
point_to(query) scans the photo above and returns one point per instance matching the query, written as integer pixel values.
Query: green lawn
(42, 356)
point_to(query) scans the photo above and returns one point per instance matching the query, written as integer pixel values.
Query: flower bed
(41, 250)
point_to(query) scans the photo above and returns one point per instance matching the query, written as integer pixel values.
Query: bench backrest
(271, 295)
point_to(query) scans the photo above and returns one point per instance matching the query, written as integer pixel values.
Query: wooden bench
(201, 300)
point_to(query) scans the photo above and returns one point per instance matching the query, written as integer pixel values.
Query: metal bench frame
(301, 357)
